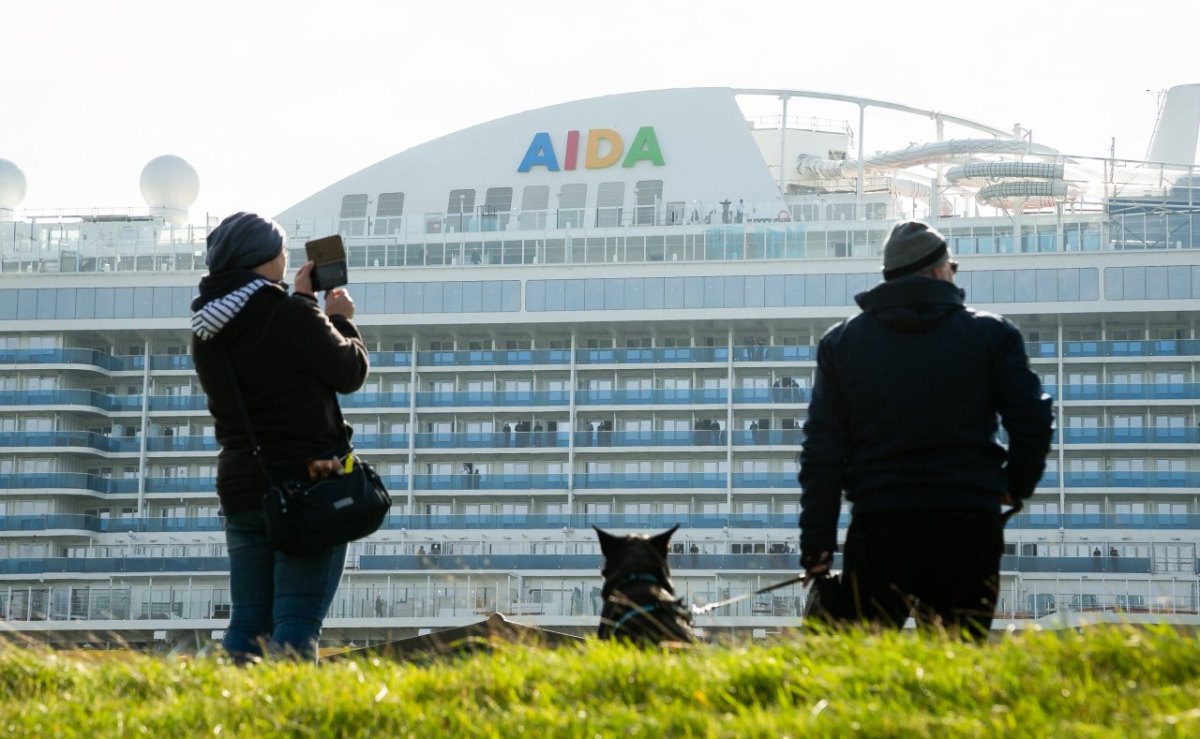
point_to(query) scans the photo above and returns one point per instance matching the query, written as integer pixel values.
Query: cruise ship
(604, 313)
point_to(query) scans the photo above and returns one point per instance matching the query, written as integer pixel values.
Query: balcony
(1130, 391)
(390, 359)
(484, 398)
(651, 480)
(1118, 479)
(58, 439)
(81, 522)
(1136, 435)
(376, 400)
(772, 395)
(490, 482)
(652, 396)
(661, 355)
(71, 397)
(801, 353)
(494, 440)
(488, 357)
(179, 402)
(1158, 348)
(90, 357)
(182, 444)
(69, 481)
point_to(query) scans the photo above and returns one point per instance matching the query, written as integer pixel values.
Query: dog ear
(662, 541)
(608, 542)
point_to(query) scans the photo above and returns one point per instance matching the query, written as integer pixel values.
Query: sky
(273, 101)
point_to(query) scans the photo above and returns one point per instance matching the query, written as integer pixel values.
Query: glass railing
(178, 402)
(67, 480)
(494, 440)
(800, 353)
(1138, 435)
(638, 521)
(181, 485)
(381, 441)
(1155, 348)
(597, 438)
(1131, 391)
(476, 398)
(71, 397)
(766, 437)
(172, 362)
(661, 355)
(1116, 479)
(92, 357)
(82, 522)
(470, 358)
(375, 400)
(113, 565)
(625, 480)
(781, 562)
(481, 481)
(99, 442)
(765, 480)
(772, 395)
(390, 359)
(652, 396)
(182, 444)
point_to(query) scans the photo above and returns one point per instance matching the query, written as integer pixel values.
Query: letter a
(540, 154)
(644, 147)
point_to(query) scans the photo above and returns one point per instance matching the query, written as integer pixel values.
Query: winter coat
(290, 359)
(904, 410)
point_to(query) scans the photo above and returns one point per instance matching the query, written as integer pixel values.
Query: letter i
(572, 150)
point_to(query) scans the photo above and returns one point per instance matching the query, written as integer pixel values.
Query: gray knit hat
(912, 247)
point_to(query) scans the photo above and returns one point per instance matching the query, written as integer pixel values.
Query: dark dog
(639, 600)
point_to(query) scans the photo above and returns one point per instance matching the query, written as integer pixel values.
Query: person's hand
(339, 303)
(302, 285)
(814, 567)
(321, 469)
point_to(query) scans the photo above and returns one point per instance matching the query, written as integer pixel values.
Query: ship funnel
(1174, 139)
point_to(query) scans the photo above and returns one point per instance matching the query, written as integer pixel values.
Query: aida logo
(605, 147)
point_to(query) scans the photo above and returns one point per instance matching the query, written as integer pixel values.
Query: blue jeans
(278, 599)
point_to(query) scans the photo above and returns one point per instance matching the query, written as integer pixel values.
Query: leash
(1004, 517)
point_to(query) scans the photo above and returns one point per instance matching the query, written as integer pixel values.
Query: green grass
(1104, 682)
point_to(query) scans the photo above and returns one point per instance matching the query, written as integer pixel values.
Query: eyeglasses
(953, 267)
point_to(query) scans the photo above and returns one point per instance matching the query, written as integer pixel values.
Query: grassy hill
(1105, 681)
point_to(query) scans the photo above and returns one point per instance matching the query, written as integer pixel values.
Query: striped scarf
(210, 318)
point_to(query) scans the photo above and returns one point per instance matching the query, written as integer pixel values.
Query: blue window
(432, 300)
(452, 297)
(655, 290)
(735, 292)
(472, 297)
(755, 291)
(65, 302)
(535, 295)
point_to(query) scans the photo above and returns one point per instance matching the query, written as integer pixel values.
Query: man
(903, 419)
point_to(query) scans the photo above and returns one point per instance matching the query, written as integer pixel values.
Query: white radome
(12, 186)
(170, 186)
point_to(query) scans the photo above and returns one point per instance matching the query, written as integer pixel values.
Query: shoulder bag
(306, 516)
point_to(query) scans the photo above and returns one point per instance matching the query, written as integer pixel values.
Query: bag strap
(256, 450)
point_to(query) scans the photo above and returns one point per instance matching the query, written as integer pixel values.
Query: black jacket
(290, 359)
(904, 409)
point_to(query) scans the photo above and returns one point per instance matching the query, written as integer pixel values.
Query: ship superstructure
(605, 313)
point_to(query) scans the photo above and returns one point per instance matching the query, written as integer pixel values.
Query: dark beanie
(243, 241)
(912, 247)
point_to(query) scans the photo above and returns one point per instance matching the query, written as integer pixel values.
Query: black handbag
(307, 516)
(825, 601)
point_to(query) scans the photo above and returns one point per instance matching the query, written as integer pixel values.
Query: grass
(1113, 681)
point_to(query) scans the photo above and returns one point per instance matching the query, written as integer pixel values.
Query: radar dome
(12, 188)
(170, 186)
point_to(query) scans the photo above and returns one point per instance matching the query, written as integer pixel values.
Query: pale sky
(272, 101)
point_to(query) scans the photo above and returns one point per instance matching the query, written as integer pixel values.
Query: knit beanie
(243, 241)
(910, 248)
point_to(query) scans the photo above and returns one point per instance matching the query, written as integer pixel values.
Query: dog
(639, 600)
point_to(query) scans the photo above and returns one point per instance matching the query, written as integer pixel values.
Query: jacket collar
(911, 291)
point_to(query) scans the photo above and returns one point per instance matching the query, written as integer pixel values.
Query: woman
(289, 359)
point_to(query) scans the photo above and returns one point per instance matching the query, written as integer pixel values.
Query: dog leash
(1004, 517)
